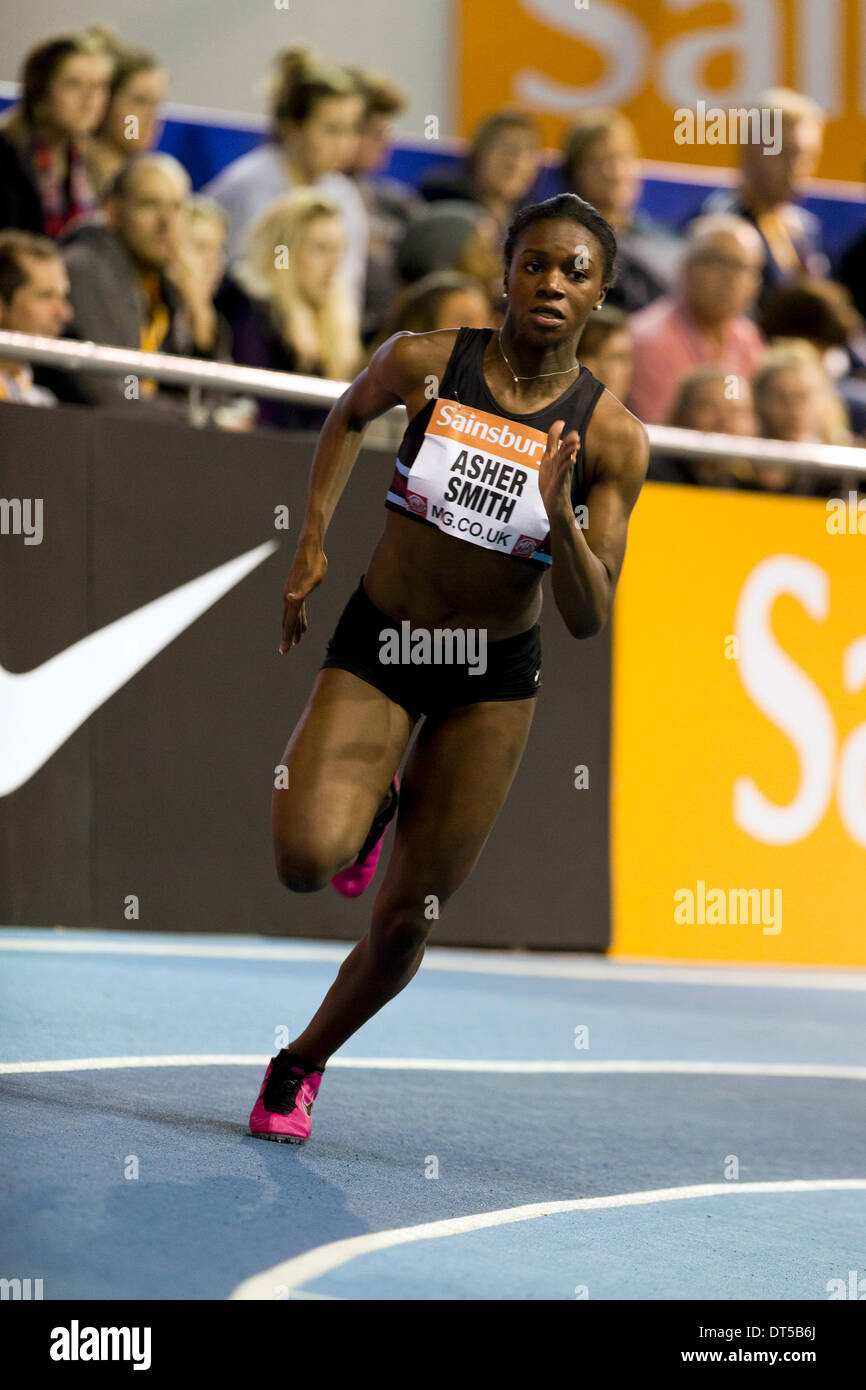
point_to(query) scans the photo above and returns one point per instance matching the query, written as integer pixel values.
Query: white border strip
(807, 1070)
(549, 965)
(276, 1282)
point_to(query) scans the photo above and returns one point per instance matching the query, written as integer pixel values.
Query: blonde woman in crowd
(202, 255)
(795, 401)
(296, 313)
(315, 116)
(795, 398)
(204, 237)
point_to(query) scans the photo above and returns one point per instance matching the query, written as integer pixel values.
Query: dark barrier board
(164, 791)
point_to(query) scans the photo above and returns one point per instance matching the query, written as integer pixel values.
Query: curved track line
(302, 1269)
(446, 1064)
(554, 965)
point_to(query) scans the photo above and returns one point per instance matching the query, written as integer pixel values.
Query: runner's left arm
(586, 563)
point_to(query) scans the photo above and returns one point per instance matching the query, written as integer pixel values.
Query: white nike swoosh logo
(42, 708)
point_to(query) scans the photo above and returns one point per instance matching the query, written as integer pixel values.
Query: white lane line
(626, 1067)
(553, 966)
(71, 946)
(303, 1269)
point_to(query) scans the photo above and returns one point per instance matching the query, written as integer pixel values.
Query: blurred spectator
(714, 401)
(315, 114)
(705, 322)
(498, 172)
(204, 228)
(769, 183)
(454, 236)
(44, 182)
(795, 401)
(445, 299)
(390, 204)
(33, 299)
(822, 313)
(601, 163)
(852, 271)
(606, 349)
(295, 312)
(131, 123)
(133, 281)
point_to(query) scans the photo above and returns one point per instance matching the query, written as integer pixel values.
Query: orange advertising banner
(738, 794)
(653, 58)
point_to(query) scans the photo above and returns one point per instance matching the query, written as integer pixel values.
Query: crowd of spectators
(304, 255)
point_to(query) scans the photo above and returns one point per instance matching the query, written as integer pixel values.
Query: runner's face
(554, 280)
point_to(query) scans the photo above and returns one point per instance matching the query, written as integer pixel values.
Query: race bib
(475, 476)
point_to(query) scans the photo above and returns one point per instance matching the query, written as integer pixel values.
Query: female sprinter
(507, 436)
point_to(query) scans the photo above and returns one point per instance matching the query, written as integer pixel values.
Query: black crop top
(470, 468)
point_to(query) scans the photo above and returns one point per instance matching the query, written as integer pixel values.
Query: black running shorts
(365, 637)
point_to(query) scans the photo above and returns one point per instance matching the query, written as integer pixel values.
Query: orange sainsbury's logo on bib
(515, 443)
(475, 476)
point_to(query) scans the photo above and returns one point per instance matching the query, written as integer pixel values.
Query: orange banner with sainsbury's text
(738, 824)
(652, 58)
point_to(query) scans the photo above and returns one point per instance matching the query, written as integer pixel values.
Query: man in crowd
(771, 182)
(34, 290)
(134, 281)
(705, 322)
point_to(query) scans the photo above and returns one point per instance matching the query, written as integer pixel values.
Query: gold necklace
(529, 378)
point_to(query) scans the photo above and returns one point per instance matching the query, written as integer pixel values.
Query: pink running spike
(352, 881)
(293, 1127)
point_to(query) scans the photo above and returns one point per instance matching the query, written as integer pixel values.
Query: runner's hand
(557, 465)
(307, 572)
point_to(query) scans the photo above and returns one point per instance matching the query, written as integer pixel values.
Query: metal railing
(200, 376)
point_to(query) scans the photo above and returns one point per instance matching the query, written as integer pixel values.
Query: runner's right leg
(341, 760)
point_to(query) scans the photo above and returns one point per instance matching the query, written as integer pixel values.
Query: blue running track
(707, 1139)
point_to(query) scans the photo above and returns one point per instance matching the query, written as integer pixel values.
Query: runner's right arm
(400, 372)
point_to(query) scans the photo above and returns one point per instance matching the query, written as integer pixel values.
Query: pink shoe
(285, 1102)
(352, 881)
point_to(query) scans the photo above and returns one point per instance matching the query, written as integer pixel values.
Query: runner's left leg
(456, 779)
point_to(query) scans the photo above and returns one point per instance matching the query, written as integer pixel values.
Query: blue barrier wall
(204, 149)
